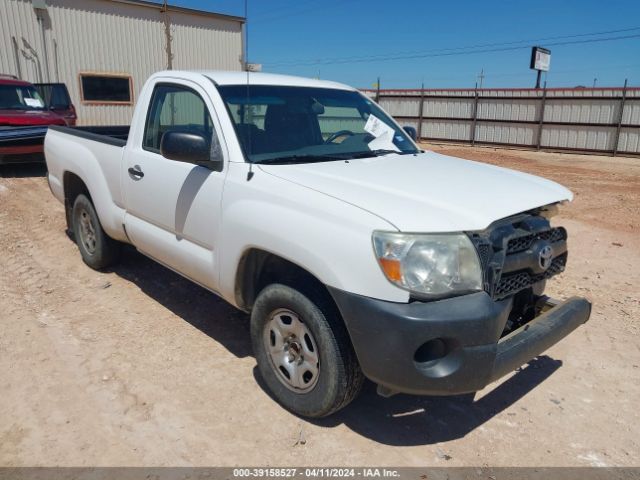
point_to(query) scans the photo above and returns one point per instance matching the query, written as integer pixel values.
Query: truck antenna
(247, 108)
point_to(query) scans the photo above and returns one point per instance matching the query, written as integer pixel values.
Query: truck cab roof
(221, 77)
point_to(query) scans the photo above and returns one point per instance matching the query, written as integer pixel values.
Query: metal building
(104, 50)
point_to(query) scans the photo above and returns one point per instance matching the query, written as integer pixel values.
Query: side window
(176, 108)
(105, 88)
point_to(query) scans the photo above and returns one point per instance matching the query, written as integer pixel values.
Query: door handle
(136, 172)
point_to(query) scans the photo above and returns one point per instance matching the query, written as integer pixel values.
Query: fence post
(620, 117)
(475, 116)
(543, 101)
(421, 112)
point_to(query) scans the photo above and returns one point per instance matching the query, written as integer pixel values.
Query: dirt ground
(137, 366)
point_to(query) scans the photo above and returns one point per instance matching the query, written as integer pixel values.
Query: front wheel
(303, 351)
(98, 250)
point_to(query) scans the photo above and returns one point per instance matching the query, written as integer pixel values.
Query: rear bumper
(450, 346)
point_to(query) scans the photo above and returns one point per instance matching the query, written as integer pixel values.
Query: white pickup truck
(303, 203)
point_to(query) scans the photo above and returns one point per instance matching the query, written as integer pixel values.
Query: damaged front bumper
(451, 346)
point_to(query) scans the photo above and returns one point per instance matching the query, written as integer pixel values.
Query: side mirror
(186, 147)
(411, 132)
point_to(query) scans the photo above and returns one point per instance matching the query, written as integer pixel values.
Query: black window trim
(184, 87)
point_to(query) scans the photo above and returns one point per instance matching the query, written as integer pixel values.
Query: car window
(54, 95)
(20, 97)
(175, 108)
(337, 119)
(289, 123)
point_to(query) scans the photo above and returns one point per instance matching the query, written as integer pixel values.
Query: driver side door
(173, 207)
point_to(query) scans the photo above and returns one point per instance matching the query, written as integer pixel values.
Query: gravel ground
(137, 366)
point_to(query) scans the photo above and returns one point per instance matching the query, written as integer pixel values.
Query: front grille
(515, 282)
(510, 251)
(520, 244)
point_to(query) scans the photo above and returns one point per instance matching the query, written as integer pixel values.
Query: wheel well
(258, 268)
(73, 186)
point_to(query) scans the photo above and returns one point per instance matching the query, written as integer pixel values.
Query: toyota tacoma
(304, 204)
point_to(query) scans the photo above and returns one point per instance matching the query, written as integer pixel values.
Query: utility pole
(595, 80)
(481, 78)
(167, 34)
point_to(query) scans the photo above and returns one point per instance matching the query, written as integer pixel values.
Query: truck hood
(24, 118)
(427, 192)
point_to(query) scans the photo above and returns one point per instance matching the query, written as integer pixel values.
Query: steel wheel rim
(292, 351)
(87, 232)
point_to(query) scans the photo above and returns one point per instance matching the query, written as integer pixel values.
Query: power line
(525, 74)
(266, 16)
(269, 11)
(470, 49)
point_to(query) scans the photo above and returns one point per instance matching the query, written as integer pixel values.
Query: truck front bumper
(450, 346)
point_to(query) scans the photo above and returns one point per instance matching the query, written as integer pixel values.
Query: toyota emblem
(545, 257)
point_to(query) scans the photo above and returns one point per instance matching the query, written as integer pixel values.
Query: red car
(57, 99)
(22, 106)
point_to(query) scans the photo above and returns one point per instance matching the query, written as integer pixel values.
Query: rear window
(105, 88)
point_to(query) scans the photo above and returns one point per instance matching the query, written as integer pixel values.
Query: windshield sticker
(382, 132)
(377, 127)
(33, 102)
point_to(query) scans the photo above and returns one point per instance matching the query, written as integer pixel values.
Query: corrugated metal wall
(113, 37)
(603, 120)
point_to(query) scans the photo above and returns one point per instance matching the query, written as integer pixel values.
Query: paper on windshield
(382, 132)
(34, 102)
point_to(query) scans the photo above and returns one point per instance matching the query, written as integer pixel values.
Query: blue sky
(345, 34)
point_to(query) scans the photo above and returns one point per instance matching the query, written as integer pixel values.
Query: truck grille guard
(519, 252)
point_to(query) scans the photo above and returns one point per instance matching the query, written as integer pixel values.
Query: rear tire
(98, 250)
(304, 352)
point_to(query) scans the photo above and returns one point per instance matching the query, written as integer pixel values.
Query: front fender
(325, 236)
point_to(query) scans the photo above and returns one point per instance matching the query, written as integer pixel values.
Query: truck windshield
(20, 97)
(282, 124)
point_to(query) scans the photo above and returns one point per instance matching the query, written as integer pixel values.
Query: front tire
(304, 352)
(98, 250)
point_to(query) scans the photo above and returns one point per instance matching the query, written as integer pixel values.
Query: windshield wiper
(301, 159)
(377, 153)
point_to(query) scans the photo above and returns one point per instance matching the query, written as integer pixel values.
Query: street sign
(540, 59)
(254, 67)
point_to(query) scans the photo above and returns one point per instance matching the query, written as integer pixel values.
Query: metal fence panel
(519, 110)
(401, 107)
(631, 112)
(629, 140)
(447, 108)
(578, 137)
(447, 129)
(577, 110)
(512, 134)
(605, 120)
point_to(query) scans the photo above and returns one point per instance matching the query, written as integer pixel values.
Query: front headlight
(430, 265)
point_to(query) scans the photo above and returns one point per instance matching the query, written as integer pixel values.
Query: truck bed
(93, 154)
(24, 144)
(111, 134)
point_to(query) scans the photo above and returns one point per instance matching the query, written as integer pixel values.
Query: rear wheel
(303, 351)
(98, 250)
